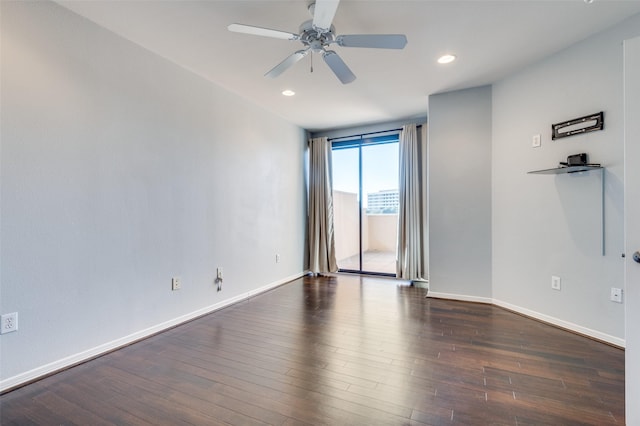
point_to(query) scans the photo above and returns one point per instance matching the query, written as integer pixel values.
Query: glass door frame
(360, 141)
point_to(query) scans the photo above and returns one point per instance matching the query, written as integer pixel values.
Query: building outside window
(383, 202)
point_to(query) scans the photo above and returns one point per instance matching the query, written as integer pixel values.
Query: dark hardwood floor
(339, 351)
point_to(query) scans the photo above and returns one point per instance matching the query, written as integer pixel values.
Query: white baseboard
(74, 359)
(616, 341)
(594, 334)
(460, 297)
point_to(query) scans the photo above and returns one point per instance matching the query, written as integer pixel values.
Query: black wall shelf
(567, 169)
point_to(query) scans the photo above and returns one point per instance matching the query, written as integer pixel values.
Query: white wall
(119, 171)
(552, 225)
(459, 208)
(632, 227)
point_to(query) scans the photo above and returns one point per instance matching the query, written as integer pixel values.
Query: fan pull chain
(312, 61)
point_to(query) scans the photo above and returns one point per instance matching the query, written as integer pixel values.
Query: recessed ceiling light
(445, 59)
(288, 92)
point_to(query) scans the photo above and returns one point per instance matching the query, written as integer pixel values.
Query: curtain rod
(371, 133)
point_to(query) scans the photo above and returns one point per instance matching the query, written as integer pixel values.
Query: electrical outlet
(176, 284)
(277, 258)
(555, 283)
(616, 295)
(219, 278)
(9, 323)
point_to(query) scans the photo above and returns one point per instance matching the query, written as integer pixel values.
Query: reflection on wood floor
(341, 351)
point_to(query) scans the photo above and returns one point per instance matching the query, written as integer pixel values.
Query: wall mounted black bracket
(588, 123)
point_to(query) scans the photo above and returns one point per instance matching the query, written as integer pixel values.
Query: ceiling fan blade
(323, 13)
(376, 41)
(264, 32)
(288, 62)
(339, 68)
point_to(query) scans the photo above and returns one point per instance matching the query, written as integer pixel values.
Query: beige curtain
(410, 250)
(322, 256)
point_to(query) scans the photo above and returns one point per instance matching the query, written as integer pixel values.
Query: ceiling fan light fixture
(288, 92)
(446, 59)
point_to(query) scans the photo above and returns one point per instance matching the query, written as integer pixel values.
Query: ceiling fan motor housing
(315, 39)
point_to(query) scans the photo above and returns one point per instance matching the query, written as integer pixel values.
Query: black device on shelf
(577, 160)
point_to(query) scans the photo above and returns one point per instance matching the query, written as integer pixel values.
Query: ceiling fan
(317, 35)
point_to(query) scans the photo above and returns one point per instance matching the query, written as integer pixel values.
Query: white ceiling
(491, 39)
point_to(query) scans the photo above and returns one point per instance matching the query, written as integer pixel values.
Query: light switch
(537, 141)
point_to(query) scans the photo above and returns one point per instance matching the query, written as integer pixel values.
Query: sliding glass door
(365, 194)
